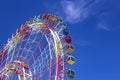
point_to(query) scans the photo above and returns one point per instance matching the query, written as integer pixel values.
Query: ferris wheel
(38, 51)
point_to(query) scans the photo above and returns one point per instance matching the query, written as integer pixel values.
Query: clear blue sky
(94, 26)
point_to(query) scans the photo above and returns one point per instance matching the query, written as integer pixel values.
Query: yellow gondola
(71, 60)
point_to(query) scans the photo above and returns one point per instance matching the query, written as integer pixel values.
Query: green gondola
(70, 74)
